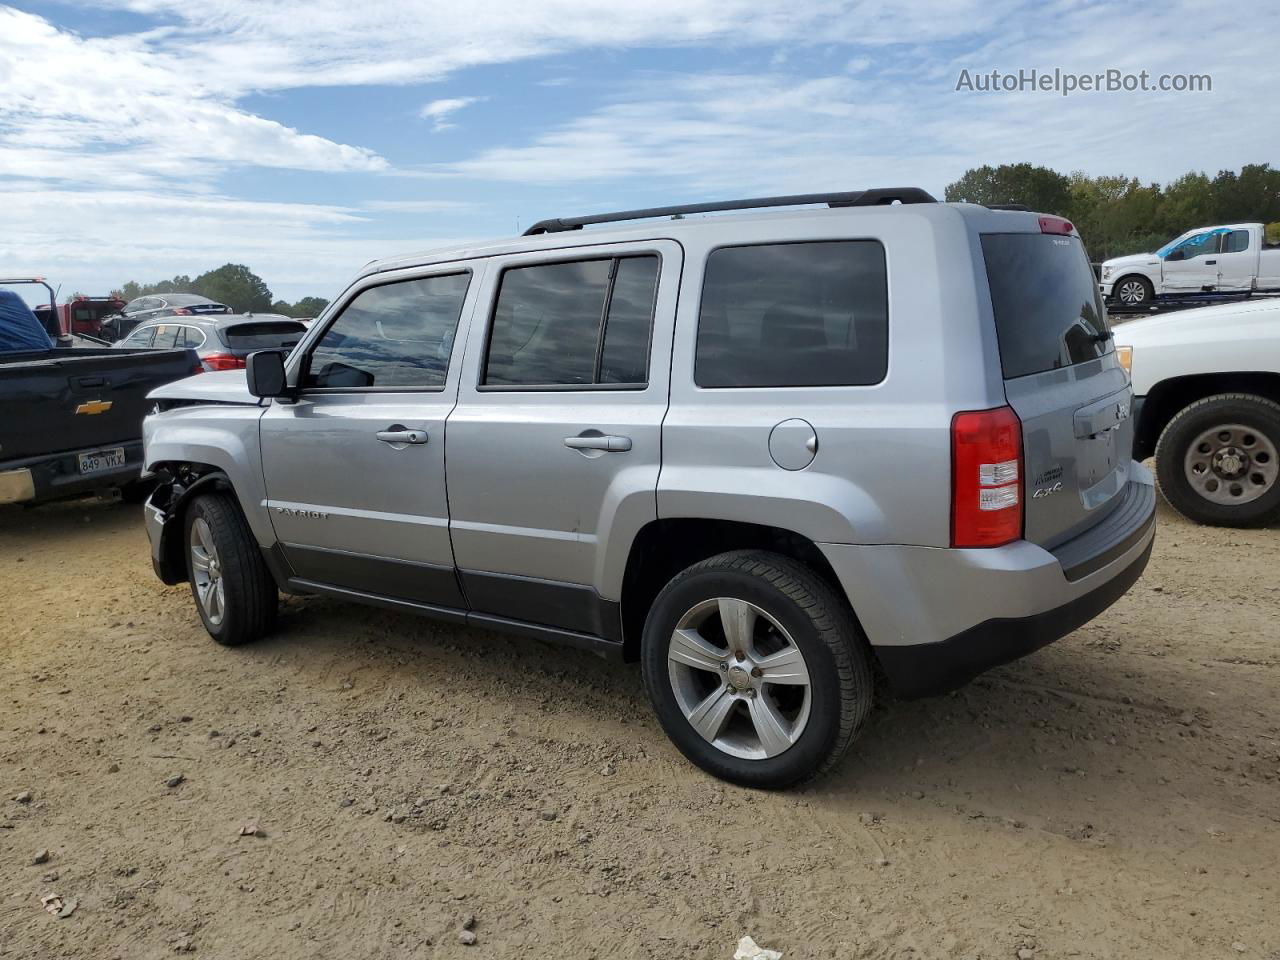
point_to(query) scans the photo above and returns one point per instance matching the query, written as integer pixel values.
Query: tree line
(1119, 215)
(233, 284)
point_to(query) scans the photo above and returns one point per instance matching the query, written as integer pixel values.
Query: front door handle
(402, 436)
(599, 442)
(1210, 263)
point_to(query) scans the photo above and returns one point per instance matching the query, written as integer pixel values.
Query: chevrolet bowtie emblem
(94, 407)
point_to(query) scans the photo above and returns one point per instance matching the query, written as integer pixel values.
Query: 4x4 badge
(1046, 491)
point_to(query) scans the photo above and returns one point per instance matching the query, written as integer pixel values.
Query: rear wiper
(1102, 337)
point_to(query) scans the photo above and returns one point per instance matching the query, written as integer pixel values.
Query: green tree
(237, 286)
(1039, 188)
(309, 306)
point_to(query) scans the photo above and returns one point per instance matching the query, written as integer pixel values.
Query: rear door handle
(402, 436)
(606, 443)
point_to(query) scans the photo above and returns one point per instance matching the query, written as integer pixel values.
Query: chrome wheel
(1231, 464)
(1132, 292)
(206, 572)
(739, 678)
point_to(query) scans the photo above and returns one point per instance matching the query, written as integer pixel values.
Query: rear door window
(167, 335)
(794, 315)
(1237, 241)
(580, 323)
(395, 335)
(1047, 308)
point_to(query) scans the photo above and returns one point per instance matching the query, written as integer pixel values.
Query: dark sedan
(158, 305)
(221, 342)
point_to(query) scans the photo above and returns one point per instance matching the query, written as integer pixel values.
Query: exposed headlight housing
(1106, 273)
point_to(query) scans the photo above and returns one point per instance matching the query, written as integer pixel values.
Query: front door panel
(354, 469)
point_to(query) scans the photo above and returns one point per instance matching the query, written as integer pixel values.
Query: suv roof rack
(880, 196)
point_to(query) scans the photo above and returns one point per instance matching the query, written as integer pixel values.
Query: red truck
(80, 316)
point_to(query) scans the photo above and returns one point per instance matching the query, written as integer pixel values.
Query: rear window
(794, 315)
(1047, 308)
(262, 336)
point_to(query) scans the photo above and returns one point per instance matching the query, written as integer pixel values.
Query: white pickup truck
(1206, 385)
(1233, 257)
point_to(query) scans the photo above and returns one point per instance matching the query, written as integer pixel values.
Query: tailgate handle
(91, 381)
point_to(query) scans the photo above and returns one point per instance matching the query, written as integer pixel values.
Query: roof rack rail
(853, 198)
(1022, 207)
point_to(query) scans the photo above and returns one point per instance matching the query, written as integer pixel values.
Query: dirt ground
(1115, 795)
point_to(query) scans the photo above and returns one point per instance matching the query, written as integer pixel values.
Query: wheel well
(178, 483)
(1168, 397)
(665, 547)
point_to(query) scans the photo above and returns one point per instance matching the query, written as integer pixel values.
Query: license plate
(102, 460)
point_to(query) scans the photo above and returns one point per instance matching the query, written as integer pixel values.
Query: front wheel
(1133, 291)
(1218, 461)
(756, 669)
(232, 588)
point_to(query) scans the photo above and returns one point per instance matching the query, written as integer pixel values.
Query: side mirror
(1177, 255)
(265, 372)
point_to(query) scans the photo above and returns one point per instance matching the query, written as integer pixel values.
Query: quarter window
(578, 323)
(794, 315)
(393, 335)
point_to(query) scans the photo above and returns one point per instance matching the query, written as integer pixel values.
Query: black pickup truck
(71, 415)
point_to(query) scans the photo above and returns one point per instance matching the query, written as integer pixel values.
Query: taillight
(986, 478)
(1056, 225)
(222, 361)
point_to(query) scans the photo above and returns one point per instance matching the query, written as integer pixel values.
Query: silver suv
(766, 455)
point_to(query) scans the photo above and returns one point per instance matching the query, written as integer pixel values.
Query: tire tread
(835, 626)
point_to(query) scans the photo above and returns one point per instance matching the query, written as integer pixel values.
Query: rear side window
(1047, 309)
(573, 324)
(794, 315)
(397, 335)
(263, 336)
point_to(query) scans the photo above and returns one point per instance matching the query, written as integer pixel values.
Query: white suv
(763, 454)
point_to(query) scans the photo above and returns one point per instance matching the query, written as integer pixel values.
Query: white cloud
(861, 93)
(117, 112)
(439, 111)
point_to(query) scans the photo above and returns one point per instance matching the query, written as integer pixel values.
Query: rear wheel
(1133, 291)
(756, 669)
(1218, 461)
(234, 592)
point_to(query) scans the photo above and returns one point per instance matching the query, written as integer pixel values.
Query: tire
(794, 612)
(232, 571)
(1218, 461)
(1138, 291)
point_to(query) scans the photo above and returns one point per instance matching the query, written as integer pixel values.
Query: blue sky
(144, 138)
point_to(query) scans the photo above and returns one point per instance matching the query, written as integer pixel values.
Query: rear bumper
(58, 475)
(936, 618)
